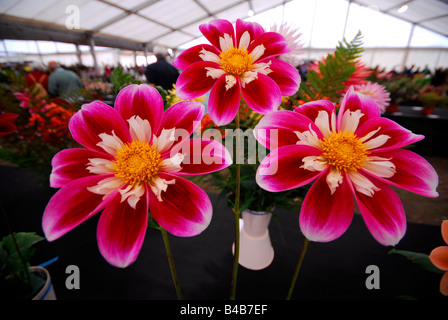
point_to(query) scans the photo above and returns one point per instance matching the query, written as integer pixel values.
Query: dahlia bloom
(136, 158)
(292, 36)
(377, 92)
(439, 258)
(238, 61)
(356, 153)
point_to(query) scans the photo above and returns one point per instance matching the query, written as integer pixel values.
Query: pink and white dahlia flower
(292, 36)
(377, 92)
(238, 61)
(135, 160)
(357, 153)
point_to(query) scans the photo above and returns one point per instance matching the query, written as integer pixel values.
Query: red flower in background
(7, 125)
(52, 122)
(359, 76)
(48, 119)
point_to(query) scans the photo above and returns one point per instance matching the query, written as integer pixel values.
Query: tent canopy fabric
(141, 24)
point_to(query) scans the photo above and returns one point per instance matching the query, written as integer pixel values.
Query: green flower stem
(236, 211)
(171, 263)
(296, 273)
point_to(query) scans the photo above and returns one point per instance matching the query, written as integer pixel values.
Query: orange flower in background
(439, 258)
(52, 122)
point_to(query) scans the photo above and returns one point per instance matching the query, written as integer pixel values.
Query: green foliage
(16, 280)
(121, 79)
(404, 89)
(11, 262)
(432, 99)
(15, 79)
(420, 259)
(332, 72)
(164, 94)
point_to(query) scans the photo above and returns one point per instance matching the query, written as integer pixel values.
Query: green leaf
(420, 259)
(152, 223)
(120, 79)
(11, 260)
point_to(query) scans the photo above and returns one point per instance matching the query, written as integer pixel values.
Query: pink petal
(72, 205)
(185, 209)
(194, 82)
(254, 29)
(71, 164)
(185, 116)
(274, 43)
(140, 100)
(216, 29)
(383, 214)
(223, 103)
(95, 118)
(399, 136)
(312, 109)
(202, 156)
(277, 129)
(356, 101)
(121, 231)
(281, 169)
(192, 55)
(324, 216)
(413, 172)
(262, 94)
(286, 76)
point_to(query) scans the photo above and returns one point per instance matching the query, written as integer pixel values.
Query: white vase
(47, 291)
(256, 251)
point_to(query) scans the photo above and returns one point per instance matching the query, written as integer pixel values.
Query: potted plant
(433, 97)
(20, 280)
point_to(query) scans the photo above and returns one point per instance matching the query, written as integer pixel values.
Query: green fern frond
(328, 80)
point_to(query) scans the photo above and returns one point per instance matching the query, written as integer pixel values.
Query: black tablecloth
(334, 270)
(434, 127)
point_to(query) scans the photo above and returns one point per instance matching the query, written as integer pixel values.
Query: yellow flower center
(236, 61)
(344, 151)
(137, 162)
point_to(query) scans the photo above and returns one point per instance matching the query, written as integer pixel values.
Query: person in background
(61, 80)
(161, 73)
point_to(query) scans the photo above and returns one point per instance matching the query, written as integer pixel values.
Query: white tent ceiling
(134, 24)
